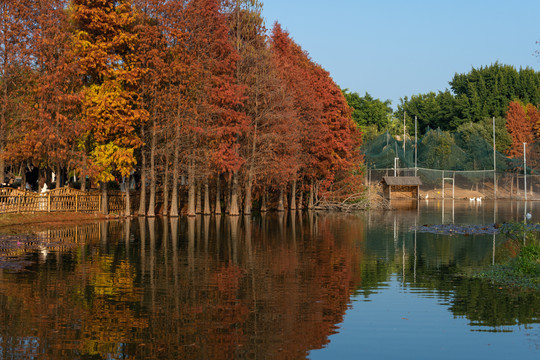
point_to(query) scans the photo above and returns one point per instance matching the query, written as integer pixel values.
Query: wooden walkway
(58, 200)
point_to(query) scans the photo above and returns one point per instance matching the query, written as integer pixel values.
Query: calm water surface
(292, 286)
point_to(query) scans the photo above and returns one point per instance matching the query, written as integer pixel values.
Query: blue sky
(393, 48)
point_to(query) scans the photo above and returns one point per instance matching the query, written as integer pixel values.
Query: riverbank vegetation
(195, 102)
(523, 267)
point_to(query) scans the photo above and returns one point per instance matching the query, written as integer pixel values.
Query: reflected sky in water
(286, 286)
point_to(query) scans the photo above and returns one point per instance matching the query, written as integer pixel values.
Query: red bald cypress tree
(520, 126)
(153, 55)
(218, 120)
(16, 74)
(330, 141)
(51, 137)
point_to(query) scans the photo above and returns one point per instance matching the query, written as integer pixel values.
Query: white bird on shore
(478, 199)
(472, 199)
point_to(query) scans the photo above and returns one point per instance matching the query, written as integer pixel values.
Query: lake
(275, 286)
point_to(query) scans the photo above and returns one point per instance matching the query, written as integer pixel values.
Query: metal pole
(443, 186)
(415, 147)
(404, 114)
(454, 186)
(494, 162)
(525, 169)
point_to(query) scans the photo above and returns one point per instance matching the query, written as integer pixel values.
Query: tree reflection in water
(205, 287)
(216, 287)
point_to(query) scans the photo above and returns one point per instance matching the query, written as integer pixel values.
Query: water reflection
(213, 288)
(271, 286)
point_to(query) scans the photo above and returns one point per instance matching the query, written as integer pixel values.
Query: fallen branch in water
(353, 202)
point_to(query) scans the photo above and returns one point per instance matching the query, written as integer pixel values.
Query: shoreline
(14, 223)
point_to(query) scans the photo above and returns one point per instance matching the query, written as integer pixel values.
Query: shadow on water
(219, 287)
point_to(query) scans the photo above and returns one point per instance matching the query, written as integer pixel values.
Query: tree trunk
(234, 210)
(264, 206)
(191, 190)
(42, 180)
(198, 201)
(310, 201)
(280, 207)
(300, 204)
(104, 198)
(152, 202)
(82, 176)
(165, 188)
(218, 195)
(23, 174)
(248, 201)
(142, 199)
(128, 201)
(228, 197)
(175, 206)
(206, 208)
(58, 177)
(173, 212)
(293, 196)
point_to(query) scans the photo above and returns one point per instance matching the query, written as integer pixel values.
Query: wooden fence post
(48, 202)
(18, 203)
(76, 202)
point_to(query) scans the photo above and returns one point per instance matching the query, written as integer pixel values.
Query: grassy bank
(506, 275)
(523, 267)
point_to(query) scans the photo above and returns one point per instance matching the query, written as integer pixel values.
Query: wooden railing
(58, 200)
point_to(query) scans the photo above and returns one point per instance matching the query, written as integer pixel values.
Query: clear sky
(398, 48)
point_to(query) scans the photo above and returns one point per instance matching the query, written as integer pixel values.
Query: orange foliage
(521, 123)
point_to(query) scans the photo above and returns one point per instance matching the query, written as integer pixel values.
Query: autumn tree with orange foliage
(51, 142)
(15, 74)
(270, 135)
(104, 41)
(329, 139)
(521, 123)
(218, 120)
(153, 55)
(191, 97)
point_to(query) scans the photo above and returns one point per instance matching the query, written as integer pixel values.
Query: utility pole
(494, 162)
(404, 116)
(415, 147)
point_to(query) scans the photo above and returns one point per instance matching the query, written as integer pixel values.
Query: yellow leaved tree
(104, 41)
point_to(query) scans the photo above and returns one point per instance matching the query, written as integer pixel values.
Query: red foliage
(218, 106)
(329, 138)
(521, 122)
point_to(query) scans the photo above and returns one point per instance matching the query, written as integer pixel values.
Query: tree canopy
(189, 95)
(369, 111)
(481, 94)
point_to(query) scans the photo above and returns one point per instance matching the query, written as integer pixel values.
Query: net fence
(452, 166)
